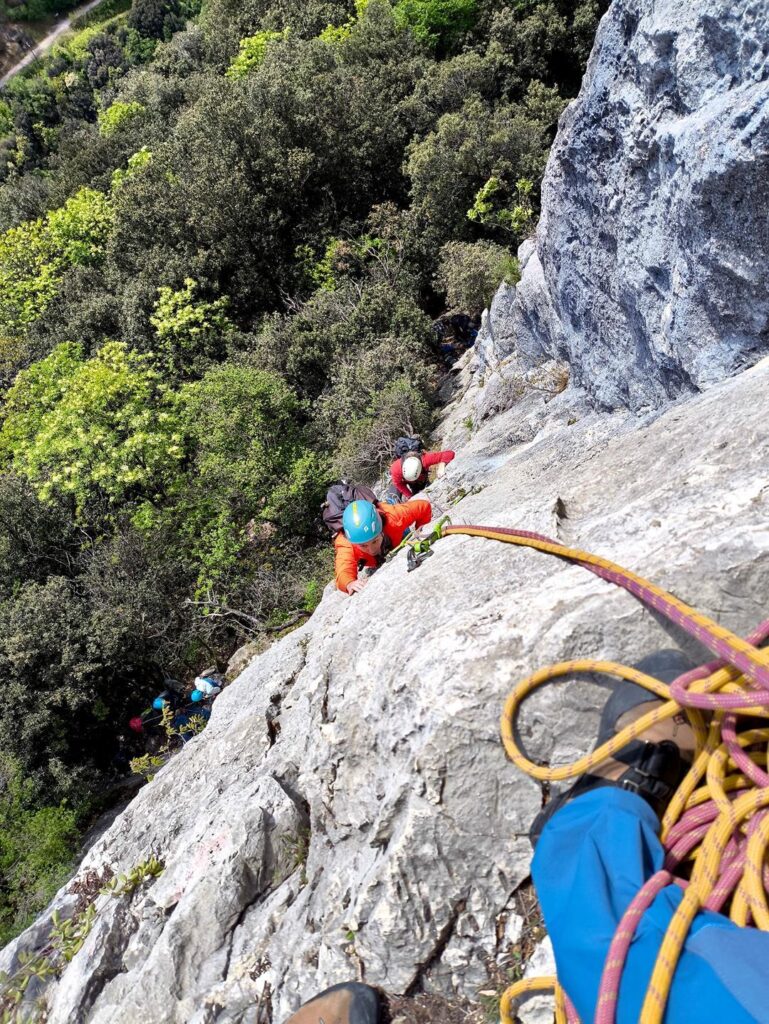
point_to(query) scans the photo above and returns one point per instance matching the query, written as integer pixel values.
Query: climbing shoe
(348, 1003)
(654, 764)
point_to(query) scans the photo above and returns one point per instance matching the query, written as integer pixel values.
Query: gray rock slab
(349, 811)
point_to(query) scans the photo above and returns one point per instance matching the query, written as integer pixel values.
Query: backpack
(408, 445)
(338, 497)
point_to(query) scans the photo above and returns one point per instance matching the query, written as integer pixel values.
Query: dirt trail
(45, 44)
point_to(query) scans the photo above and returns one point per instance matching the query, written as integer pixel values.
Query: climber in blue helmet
(369, 531)
(168, 698)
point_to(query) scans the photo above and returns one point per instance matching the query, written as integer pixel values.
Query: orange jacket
(395, 519)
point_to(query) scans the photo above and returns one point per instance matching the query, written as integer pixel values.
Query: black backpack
(338, 497)
(407, 446)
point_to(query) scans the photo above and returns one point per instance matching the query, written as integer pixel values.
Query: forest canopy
(225, 231)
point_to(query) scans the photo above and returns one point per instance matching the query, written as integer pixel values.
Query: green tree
(190, 332)
(437, 22)
(101, 432)
(35, 255)
(249, 461)
(117, 115)
(252, 52)
(470, 272)
(37, 845)
(467, 148)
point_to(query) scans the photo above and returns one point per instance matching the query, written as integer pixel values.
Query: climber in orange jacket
(369, 532)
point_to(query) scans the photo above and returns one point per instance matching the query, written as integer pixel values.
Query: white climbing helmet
(411, 468)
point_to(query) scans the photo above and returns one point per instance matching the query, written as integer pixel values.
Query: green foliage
(294, 850)
(76, 47)
(437, 22)
(103, 432)
(469, 147)
(335, 35)
(470, 272)
(190, 332)
(156, 19)
(147, 765)
(519, 219)
(252, 53)
(37, 845)
(365, 449)
(313, 592)
(106, 10)
(248, 461)
(117, 115)
(137, 162)
(69, 934)
(36, 10)
(127, 884)
(35, 255)
(6, 118)
(162, 454)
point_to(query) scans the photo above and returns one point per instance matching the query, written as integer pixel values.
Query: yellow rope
(526, 987)
(712, 777)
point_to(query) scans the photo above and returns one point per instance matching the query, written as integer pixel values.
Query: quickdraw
(420, 547)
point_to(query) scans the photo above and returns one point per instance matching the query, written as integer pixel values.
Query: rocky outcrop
(14, 42)
(649, 271)
(349, 811)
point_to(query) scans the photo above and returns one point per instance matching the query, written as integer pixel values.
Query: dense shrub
(470, 272)
(36, 849)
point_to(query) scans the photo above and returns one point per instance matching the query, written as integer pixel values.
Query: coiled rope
(718, 818)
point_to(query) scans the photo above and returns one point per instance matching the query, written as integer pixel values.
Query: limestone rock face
(649, 274)
(349, 812)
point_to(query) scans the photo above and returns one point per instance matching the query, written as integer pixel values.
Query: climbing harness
(718, 819)
(419, 547)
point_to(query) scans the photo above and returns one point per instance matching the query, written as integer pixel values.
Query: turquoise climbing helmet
(361, 522)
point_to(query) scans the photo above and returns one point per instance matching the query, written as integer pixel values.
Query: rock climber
(409, 473)
(369, 531)
(595, 847)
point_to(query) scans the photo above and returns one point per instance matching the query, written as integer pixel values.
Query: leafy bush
(37, 845)
(365, 450)
(437, 22)
(252, 52)
(102, 432)
(104, 12)
(156, 19)
(190, 332)
(117, 115)
(6, 118)
(467, 148)
(35, 255)
(470, 272)
(248, 462)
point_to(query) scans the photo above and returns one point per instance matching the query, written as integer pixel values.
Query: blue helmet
(361, 522)
(196, 696)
